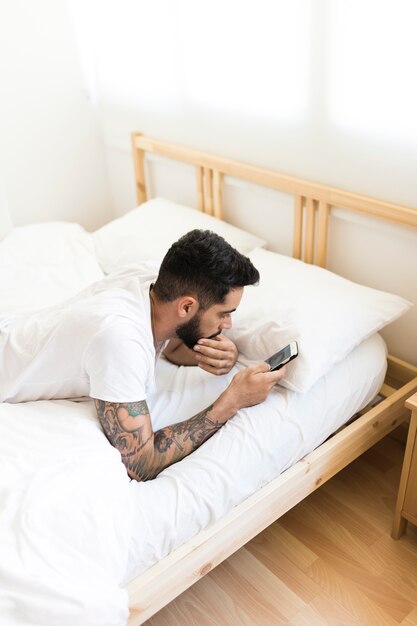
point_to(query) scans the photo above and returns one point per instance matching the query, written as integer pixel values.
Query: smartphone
(287, 354)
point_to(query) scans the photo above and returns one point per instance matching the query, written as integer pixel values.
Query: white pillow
(43, 264)
(326, 314)
(149, 230)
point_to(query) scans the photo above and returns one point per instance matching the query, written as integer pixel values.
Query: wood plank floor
(330, 561)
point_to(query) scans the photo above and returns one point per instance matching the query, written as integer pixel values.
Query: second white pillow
(326, 314)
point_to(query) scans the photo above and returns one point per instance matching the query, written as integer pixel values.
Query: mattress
(251, 449)
(74, 529)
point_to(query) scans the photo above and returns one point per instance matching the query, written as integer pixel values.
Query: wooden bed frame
(160, 584)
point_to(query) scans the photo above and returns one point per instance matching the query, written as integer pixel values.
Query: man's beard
(190, 332)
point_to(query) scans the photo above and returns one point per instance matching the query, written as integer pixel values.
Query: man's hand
(250, 386)
(217, 355)
(145, 453)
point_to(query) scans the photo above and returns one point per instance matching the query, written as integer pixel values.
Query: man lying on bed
(104, 342)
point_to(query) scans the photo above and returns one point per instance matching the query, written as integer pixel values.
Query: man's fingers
(264, 368)
(213, 370)
(260, 367)
(204, 341)
(209, 352)
(278, 374)
(216, 363)
(212, 350)
(217, 355)
(221, 342)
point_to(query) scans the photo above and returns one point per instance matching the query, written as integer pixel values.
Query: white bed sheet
(73, 528)
(250, 450)
(65, 519)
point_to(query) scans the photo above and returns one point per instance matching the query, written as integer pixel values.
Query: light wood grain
(310, 230)
(329, 561)
(217, 194)
(269, 178)
(322, 235)
(406, 508)
(139, 169)
(208, 191)
(200, 189)
(399, 371)
(298, 226)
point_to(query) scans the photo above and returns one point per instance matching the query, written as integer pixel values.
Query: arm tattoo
(195, 431)
(128, 427)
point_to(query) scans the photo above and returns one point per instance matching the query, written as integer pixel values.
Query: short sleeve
(119, 364)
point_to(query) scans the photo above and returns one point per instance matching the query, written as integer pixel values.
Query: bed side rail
(183, 567)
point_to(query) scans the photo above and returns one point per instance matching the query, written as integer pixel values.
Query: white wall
(320, 89)
(51, 153)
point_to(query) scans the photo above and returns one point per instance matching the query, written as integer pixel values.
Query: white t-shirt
(99, 344)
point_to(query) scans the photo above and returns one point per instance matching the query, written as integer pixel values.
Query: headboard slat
(298, 227)
(208, 191)
(217, 194)
(139, 167)
(298, 186)
(200, 189)
(310, 231)
(323, 225)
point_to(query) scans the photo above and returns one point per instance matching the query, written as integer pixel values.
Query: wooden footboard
(182, 568)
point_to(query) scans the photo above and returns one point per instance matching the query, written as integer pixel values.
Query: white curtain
(324, 89)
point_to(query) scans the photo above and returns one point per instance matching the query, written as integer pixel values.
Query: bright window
(246, 58)
(372, 64)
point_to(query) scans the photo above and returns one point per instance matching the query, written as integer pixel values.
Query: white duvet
(65, 518)
(250, 450)
(74, 529)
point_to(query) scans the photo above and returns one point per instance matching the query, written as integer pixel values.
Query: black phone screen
(280, 358)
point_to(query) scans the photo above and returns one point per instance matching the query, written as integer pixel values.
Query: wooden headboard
(312, 202)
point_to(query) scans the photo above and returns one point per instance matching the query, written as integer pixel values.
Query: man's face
(210, 322)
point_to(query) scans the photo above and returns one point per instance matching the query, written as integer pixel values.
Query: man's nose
(226, 324)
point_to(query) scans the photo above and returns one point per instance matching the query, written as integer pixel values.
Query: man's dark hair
(203, 263)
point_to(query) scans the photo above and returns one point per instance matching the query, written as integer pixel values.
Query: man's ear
(187, 307)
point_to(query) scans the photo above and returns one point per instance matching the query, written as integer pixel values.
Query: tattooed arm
(145, 453)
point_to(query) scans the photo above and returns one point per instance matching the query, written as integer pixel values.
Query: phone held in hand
(287, 354)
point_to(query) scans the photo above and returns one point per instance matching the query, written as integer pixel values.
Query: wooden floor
(329, 561)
